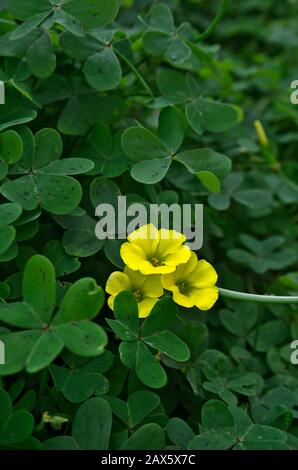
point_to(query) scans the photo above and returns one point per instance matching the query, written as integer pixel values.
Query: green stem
(135, 71)
(9, 22)
(41, 392)
(216, 21)
(279, 299)
(288, 181)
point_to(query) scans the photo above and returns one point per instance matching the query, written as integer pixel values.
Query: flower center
(138, 295)
(183, 287)
(155, 262)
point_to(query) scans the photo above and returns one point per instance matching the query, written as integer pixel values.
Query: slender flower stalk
(277, 299)
(217, 19)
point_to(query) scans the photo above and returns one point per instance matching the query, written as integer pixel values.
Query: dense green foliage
(141, 102)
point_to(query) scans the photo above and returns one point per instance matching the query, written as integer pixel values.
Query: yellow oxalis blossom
(193, 284)
(146, 289)
(153, 251)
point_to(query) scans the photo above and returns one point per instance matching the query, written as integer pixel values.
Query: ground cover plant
(162, 102)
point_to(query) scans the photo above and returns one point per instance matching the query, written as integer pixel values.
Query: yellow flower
(193, 284)
(146, 289)
(153, 251)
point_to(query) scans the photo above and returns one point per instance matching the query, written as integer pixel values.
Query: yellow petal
(169, 242)
(204, 275)
(148, 231)
(168, 280)
(181, 299)
(117, 282)
(137, 279)
(147, 268)
(204, 299)
(145, 306)
(146, 238)
(111, 302)
(181, 256)
(132, 255)
(152, 286)
(184, 270)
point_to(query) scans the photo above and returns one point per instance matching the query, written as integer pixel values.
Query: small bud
(261, 133)
(55, 421)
